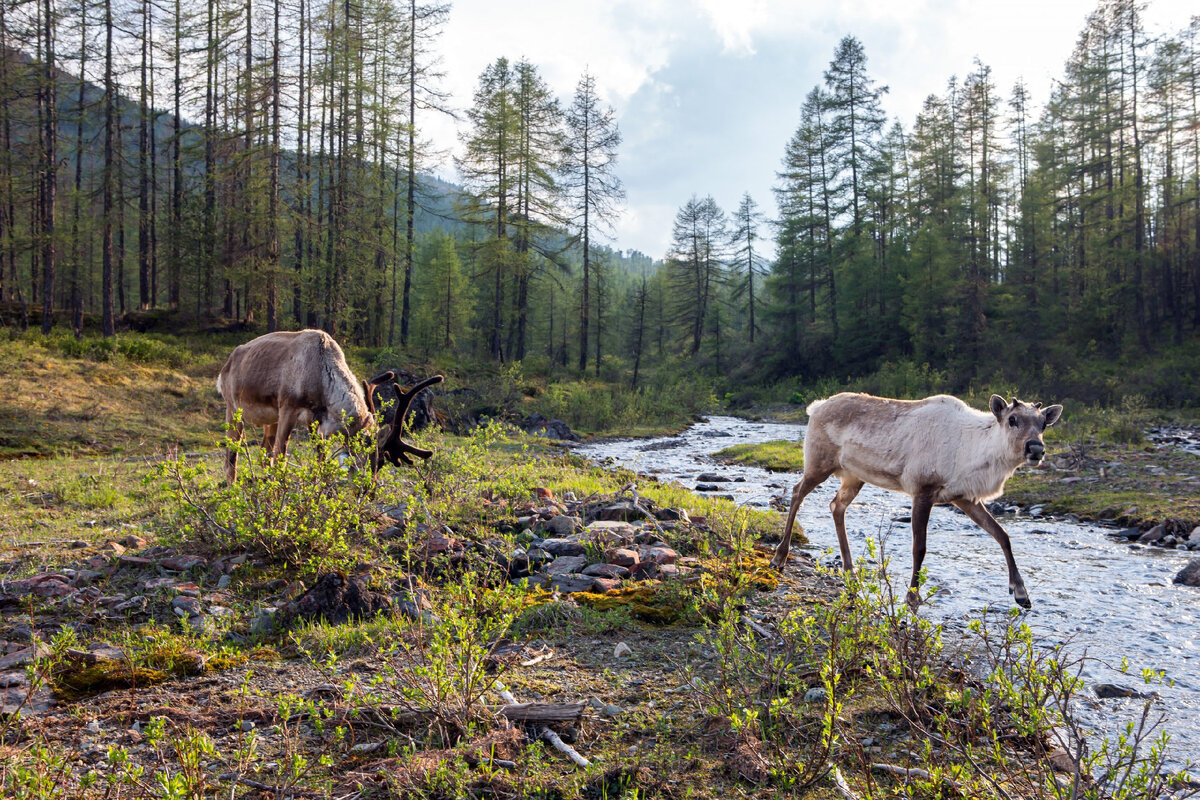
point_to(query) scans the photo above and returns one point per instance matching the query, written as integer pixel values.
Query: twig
(766, 633)
(561, 746)
(279, 791)
(840, 782)
(505, 694)
(538, 659)
(911, 772)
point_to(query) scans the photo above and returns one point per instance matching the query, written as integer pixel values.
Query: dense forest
(266, 163)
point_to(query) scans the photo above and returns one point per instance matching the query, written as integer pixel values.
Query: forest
(172, 166)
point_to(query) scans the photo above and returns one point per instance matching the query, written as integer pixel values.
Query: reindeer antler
(394, 448)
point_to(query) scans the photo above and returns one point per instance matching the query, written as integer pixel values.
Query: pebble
(622, 650)
(247, 726)
(816, 694)
(224, 581)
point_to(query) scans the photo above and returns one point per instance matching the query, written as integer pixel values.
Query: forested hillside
(270, 163)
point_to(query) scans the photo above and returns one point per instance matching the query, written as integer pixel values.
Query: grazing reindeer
(292, 378)
(937, 450)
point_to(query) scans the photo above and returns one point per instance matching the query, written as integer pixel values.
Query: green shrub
(305, 510)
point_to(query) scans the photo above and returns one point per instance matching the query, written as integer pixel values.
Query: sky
(708, 92)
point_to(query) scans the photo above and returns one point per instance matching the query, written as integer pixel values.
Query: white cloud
(707, 92)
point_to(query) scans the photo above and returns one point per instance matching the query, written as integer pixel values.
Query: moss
(76, 683)
(648, 602)
(777, 455)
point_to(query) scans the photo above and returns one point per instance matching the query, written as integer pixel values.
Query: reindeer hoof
(778, 563)
(913, 600)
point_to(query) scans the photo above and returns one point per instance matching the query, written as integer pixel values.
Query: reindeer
(292, 378)
(937, 450)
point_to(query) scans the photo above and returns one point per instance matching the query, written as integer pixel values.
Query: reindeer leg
(283, 430)
(807, 484)
(846, 493)
(921, 506)
(268, 442)
(981, 517)
(235, 434)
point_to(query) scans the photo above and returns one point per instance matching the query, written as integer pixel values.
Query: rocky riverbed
(1089, 585)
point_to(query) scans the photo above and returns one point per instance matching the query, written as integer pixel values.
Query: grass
(679, 733)
(778, 455)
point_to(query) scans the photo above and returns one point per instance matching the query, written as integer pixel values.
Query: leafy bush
(443, 671)
(305, 510)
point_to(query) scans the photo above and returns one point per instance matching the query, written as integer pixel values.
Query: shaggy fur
(937, 450)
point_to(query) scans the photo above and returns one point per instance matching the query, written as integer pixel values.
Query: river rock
(711, 477)
(564, 565)
(538, 425)
(681, 515)
(602, 585)
(560, 525)
(623, 511)
(563, 547)
(707, 487)
(1107, 691)
(624, 557)
(622, 650)
(1194, 536)
(611, 571)
(610, 532)
(1153, 535)
(1190, 574)
(659, 555)
(571, 582)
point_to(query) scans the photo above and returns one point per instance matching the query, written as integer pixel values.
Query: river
(1104, 597)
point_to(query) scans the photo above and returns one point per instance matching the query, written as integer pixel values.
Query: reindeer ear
(1053, 413)
(998, 405)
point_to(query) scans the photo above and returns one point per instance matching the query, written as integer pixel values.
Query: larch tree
(590, 181)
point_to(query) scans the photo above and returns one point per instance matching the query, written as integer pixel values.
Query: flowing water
(1106, 598)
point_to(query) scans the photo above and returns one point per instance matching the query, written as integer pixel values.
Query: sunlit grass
(778, 455)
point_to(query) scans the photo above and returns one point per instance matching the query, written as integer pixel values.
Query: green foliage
(669, 401)
(305, 510)
(136, 348)
(443, 669)
(778, 455)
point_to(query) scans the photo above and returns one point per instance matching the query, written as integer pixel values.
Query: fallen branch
(842, 787)
(766, 633)
(561, 746)
(278, 791)
(911, 772)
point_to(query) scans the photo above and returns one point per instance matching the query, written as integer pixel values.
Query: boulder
(610, 532)
(623, 511)
(421, 413)
(602, 585)
(563, 547)
(564, 565)
(1194, 536)
(571, 582)
(624, 557)
(560, 526)
(337, 598)
(538, 425)
(1153, 535)
(611, 571)
(1190, 574)
(659, 555)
